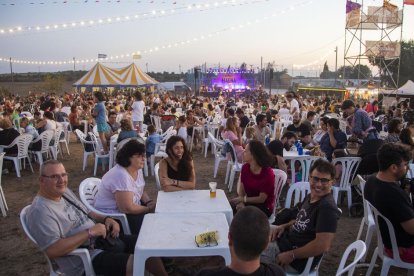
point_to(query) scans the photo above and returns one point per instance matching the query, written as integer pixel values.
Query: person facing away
(248, 237)
(152, 140)
(385, 193)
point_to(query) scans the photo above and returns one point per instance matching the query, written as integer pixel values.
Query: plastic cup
(213, 187)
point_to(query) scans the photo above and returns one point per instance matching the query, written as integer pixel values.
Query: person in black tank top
(177, 170)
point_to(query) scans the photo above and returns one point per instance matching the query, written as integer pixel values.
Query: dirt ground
(19, 256)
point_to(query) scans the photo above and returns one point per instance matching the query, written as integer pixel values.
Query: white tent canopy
(406, 89)
(103, 76)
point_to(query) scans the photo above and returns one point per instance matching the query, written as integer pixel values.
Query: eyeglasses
(55, 177)
(316, 179)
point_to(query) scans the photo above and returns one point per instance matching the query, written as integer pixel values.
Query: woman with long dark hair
(256, 185)
(177, 170)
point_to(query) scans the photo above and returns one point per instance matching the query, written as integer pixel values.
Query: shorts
(102, 127)
(110, 263)
(269, 256)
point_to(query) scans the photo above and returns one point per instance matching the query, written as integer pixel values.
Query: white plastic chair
(22, 142)
(280, 181)
(387, 262)
(65, 139)
(86, 154)
(83, 253)
(349, 168)
(360, 249)
(157, 176)
(233, 166)
(45, 137)
(367, 220)
(156, 121)
(160, 148)
(307, 271)
(299, 190)
(99, 153)
(306, 162)
(3, 203)
(88, 189)
(287, 117)
(54, 149)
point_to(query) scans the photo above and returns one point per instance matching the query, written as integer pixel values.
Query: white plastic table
(194, 201)
(173, 235)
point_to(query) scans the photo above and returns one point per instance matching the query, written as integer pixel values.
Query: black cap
(347, 104)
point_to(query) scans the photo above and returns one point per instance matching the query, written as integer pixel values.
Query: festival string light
(66, 3)
(188, 8)
(162, 47)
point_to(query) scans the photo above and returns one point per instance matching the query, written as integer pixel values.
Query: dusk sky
(295, 33)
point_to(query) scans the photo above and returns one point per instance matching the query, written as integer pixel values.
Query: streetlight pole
(336, 64)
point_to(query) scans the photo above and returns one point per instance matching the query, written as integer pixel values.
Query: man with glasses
(311, 233)
(385, 193)
(60, 223)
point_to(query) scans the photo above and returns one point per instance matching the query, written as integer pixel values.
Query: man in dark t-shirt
(244, 120)
(312, 232)
(300, 129)
(248, 237)
(383, 191)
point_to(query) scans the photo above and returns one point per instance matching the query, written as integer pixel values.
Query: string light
(190, 8)
(152, 49)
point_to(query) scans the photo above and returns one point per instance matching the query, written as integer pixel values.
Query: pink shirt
(232, 137)
(264, 182)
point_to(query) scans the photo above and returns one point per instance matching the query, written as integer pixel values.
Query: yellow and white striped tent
(103, 76)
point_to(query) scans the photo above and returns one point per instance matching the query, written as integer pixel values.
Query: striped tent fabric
(103, 76)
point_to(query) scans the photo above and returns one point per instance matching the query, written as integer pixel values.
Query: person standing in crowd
(361, 124)
(311, 233)
(60, 223)
(138, 110)
(177, 170)
(261, 128)
(293, 104)
(248, 237)
(99, 113)
(256, 185)
(385, 193)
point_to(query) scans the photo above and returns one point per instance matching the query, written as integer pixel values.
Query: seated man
(112, 123)
(312, 232)
(248, 237)
(261, 129)
(300, 129)
(60, 223)
(384, 192)
(288, 139)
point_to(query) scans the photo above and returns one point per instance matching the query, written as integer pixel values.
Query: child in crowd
(181, 127)
(338, 166)
(152, 140)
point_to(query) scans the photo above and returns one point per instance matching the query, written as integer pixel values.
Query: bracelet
(245, 199)
(293, 255)
(107, 217)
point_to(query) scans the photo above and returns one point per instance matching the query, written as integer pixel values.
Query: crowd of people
(261, 129)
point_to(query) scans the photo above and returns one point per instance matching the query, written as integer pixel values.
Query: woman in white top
(181, 127)
(138, 108)
(122, 187)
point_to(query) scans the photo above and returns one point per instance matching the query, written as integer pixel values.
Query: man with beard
(261, 129)
(385, 193)
(300, 129)
(288, 140)
(311, 233)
